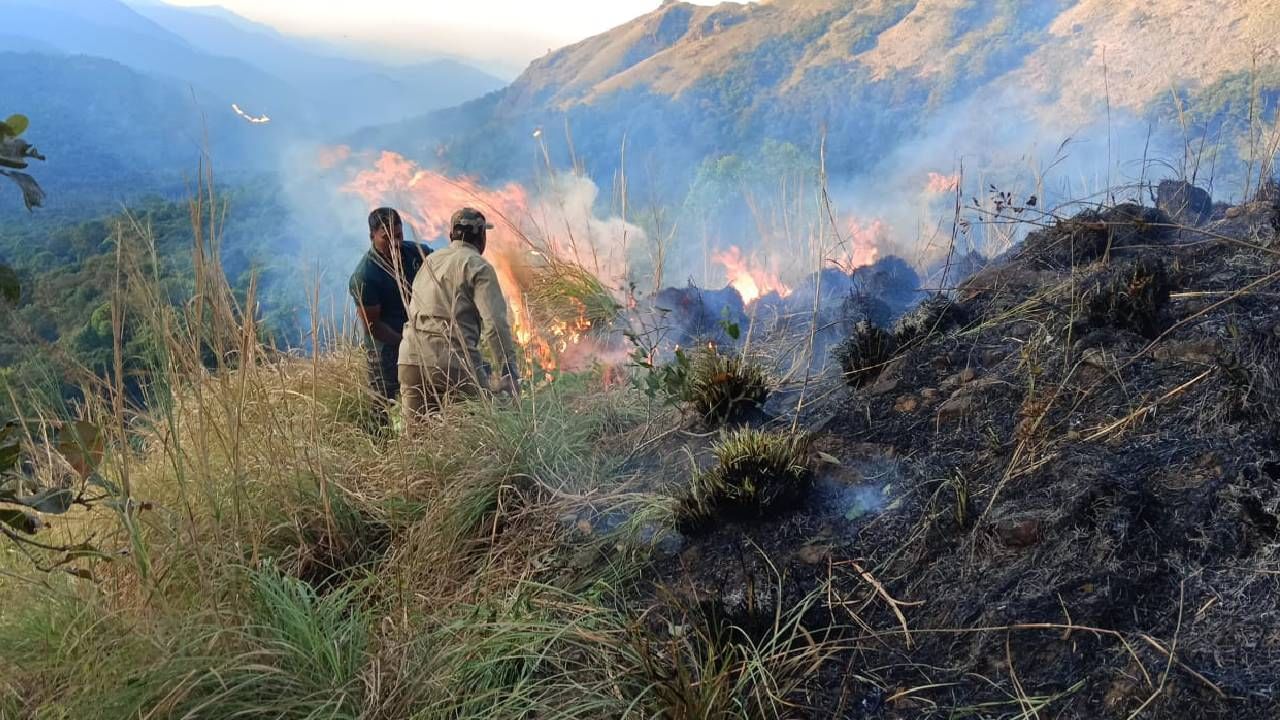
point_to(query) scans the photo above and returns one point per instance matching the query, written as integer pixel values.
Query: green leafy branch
(22, 509)
(14, 154)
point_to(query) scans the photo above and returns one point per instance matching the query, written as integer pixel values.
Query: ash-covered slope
(1058, 493)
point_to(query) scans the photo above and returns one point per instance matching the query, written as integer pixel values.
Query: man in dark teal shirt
(381, 286)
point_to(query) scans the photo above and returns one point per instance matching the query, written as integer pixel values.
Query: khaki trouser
(424, 390)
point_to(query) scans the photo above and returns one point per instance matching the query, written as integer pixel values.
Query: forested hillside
(61, 331)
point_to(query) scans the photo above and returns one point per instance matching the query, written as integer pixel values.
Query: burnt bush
(1183, 201)
(1090, 235)
(864, 353)
(936, 314)
(1252, 392)
(1127, 296)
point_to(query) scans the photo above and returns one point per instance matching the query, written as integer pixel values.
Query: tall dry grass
(267, 555)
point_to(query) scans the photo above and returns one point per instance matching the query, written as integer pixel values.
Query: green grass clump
(296, 654)
(724, 388)
(756, 473)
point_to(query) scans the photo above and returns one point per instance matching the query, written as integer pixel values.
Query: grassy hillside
(1050, 493)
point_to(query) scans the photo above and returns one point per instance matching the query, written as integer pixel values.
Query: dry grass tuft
(568, 296)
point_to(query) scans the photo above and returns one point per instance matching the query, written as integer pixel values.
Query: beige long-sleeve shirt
(456, 303)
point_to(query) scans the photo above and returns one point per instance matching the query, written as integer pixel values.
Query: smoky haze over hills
(127, 97)
(715, 120)
(709, 112)
(685, 81)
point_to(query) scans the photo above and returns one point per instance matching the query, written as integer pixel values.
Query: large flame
(427, 201)
(756, 275)
(862, 246)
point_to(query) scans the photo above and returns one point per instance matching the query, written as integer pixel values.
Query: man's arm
(371, 315)
(497, 329)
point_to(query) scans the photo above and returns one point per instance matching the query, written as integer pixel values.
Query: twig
(1164, 677)
(1137, 414)
(1163, 651)
(894, 604)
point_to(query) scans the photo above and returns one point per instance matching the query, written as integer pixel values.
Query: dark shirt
(374, 283)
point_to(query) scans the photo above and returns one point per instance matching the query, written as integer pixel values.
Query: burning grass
(562, 294)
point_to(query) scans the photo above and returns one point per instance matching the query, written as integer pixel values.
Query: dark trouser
(384, 380)
(427, 389)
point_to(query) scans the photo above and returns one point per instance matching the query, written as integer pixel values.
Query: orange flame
(939, 183)
(748, 275)
(863, 243)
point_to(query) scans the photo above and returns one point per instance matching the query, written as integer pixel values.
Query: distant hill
(111, 133)
(687, 82)
(222, 56)
(123, 99)
(111, 30)
(350, 91)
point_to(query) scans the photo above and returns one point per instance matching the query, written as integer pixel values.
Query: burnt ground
(1068, 481)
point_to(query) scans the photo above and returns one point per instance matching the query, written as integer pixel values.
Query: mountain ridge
(868, 75)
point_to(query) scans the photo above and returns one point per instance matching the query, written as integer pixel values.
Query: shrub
(723, 388)
(756, 473)
(935, 314)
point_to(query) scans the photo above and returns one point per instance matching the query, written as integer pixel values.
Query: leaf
(21, 520)
(15, 151)
(830, 459)
(10, 286)
(54, 501)
(17, 124)
(81, 444)
(32, 194)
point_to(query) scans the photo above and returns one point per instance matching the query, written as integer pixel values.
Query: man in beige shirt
(454, 294)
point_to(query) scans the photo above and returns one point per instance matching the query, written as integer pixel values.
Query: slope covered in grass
(1052, 494)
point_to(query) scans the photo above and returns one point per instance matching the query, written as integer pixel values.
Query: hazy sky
(511, 31)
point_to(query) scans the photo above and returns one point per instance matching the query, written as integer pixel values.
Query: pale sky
(511, 31)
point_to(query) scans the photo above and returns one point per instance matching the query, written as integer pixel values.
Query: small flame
(939, 183)
(748, 276)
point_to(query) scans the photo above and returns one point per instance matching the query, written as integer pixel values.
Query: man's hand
(372, 317)
(509, 386)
